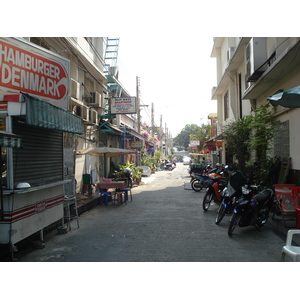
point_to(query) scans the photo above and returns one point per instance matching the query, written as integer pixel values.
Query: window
(226, 106)
(38, 41)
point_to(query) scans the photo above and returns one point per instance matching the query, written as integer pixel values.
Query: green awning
(9, 140)
(289, 98)
(43, 114)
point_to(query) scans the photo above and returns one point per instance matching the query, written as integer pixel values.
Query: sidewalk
(87, 202)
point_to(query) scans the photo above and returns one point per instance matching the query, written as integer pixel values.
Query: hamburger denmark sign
(30, 69)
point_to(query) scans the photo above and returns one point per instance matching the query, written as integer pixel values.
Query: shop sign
(27, 68)
(123, 105)
(136, 144)
(194, 143)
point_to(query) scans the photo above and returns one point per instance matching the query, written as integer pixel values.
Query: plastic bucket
(86, 178)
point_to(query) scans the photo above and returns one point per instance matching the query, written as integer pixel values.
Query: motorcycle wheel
(235, 219)
(196, 185)
(207, 200)
(221, 214)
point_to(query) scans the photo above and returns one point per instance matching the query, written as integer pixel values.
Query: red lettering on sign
(28, 72)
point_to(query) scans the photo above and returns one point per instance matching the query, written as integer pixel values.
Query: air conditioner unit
(230, 53)
(96, 99)
(75, 89)
(256, 58)
(84, 113)
(81, 111)
(213, 90)
(93, 116)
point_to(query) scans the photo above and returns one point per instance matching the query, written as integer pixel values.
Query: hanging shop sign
(123, 105)
(194, 143)
(27, 68)
(136, 144)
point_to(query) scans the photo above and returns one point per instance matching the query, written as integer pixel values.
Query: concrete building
(249, 71)
(55, 95)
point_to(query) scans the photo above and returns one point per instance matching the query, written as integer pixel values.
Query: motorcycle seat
(264, 195)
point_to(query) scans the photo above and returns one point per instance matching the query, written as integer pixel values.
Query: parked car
(186, 160)
(146, 170)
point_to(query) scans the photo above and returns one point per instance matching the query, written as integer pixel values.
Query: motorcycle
(236, 188)
(198, 182)
(253, 211)
(215, 184)
(167, 165)
(129, 177)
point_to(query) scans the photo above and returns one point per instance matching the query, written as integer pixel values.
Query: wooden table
(103, 185)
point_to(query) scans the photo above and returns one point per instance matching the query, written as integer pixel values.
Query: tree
(182, 140)
(237, 135)
(263, 127)
(202, 134)
(192, 132)
(252, 133)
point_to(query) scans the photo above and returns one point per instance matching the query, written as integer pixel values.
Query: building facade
(54, 100)
(249, 71)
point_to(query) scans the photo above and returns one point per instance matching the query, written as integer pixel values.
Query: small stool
(119, 197)
(107, 193)
(125, 191)
(289, 249)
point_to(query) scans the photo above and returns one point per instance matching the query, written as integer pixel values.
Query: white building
(249, 71)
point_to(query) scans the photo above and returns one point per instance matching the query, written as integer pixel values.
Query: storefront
(34, 98)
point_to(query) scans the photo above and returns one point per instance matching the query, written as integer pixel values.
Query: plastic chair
(289, 249)
(285, 203)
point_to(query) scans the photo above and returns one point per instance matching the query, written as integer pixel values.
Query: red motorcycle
(215, 185)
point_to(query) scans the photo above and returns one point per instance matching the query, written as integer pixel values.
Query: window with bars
(282, 140)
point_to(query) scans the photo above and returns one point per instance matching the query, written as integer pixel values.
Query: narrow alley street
(164, 223)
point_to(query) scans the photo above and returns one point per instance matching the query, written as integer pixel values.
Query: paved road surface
(164, 223)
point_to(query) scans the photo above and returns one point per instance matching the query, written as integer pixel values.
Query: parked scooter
(236, 189)
(252, 212)
(198, 180)
(216, 183)
(129, 177)
(167, 165)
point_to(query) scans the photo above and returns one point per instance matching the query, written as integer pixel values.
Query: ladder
(68, 201)
(111, 54)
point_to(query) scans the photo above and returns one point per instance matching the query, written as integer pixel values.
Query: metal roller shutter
(40, 161)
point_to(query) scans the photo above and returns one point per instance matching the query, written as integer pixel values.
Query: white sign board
(194, 143)
(25, 67)
(123, 105)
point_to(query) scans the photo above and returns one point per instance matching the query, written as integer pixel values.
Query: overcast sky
(176, 74)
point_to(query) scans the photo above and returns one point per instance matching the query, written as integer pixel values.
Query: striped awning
(43, 114)
(9, 140)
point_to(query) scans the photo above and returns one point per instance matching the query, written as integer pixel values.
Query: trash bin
(297, 217)
(86, 178)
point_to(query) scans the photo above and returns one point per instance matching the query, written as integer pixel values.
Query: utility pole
(138, 104)
(152, 119)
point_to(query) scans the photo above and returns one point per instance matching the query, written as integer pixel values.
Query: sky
(176, 74)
